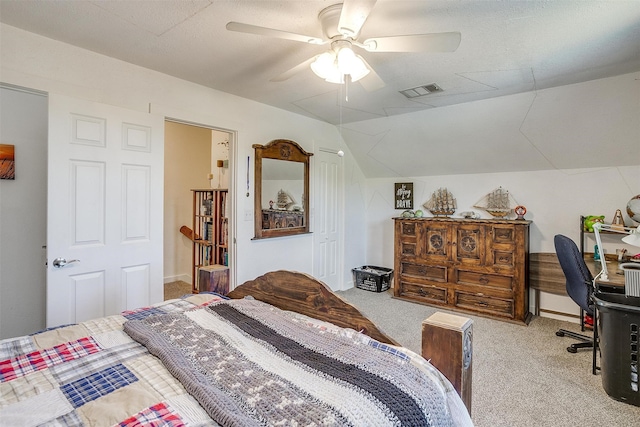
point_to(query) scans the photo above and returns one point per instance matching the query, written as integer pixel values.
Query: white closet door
(328, 213)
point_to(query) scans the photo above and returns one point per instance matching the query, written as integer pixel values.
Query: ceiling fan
(341, 24)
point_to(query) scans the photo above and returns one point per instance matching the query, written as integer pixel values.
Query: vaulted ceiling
(507, 47)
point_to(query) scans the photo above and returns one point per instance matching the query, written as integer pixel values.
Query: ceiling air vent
(421, 90)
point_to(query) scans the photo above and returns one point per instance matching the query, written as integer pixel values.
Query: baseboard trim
(559, 313)
(182, 277)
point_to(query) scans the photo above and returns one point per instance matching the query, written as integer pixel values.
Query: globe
(633, 208)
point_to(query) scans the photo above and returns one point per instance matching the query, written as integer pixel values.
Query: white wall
(220, 151)
(23, 213)
(355, 218)
(36, 62)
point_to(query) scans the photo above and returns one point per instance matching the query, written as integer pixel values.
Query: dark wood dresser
(477, 266)
(272, 219)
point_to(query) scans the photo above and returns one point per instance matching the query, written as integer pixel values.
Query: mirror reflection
(281, 189)
(282, 194)
(282, 177)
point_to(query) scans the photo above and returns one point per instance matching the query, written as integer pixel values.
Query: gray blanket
(248, 363)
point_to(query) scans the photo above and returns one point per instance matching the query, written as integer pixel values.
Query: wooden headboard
(299, 292)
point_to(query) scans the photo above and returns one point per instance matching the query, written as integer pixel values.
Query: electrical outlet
(248, 215)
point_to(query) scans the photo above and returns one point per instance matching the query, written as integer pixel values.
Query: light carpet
(176, 289)
(522, 375)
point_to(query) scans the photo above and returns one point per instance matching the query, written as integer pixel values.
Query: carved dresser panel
(275, 219)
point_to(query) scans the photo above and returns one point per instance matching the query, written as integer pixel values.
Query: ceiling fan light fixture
(332, 66)
(324, 64)
(335, 77)
(347, 60)
(359, 69)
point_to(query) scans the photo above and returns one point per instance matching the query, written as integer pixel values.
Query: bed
(280, 350)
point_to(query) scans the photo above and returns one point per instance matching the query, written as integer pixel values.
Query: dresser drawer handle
(483, 280)
(422, 292)
(482, 304)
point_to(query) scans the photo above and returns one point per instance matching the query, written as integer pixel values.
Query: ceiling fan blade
(295, 70)
(372, 81)
(269, 32)
(436, 42)
(354, 14)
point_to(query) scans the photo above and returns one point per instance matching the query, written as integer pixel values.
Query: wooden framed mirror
(281, 196)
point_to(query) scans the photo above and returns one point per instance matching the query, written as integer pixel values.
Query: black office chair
(579, 286)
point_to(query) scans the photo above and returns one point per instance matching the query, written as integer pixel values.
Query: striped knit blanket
(248, 363)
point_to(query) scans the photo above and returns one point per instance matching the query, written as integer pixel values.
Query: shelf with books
(210, 231)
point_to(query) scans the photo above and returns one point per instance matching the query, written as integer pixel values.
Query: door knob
(61, 262)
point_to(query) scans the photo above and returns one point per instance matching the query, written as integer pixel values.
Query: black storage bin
(619, 333)
(371, 278)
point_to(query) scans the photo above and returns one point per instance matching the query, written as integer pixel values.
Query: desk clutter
(627, 265)
(631, 279)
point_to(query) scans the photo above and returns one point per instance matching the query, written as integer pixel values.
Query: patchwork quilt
(205, 360)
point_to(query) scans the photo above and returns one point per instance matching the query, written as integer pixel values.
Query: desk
(545, 274)
(616, 276)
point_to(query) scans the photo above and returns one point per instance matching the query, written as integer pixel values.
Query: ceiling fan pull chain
(346, 87)
(340, 111)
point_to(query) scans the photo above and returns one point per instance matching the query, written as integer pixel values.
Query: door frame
(231, 196)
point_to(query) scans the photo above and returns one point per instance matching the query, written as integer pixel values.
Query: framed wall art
(404, 195)
(7, 162)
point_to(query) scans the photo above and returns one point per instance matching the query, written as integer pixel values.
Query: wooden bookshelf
(210, 231)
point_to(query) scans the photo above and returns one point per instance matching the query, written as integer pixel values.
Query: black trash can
(619, 332)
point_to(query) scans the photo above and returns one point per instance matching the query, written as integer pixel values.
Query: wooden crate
(447, 344)
(214, 278)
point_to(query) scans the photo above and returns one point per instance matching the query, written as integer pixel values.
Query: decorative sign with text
(404, 195)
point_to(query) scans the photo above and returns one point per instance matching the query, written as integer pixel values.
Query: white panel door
(104, 213)
(328, 213)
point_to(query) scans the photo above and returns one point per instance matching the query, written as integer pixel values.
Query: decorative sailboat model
(284, 200)
(498, 203)
(441, 203)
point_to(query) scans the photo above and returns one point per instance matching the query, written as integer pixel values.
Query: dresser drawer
(408, 228)
(465, 277)
(407, 249)
(436, 273)
(426, 293)
(502, 258)
(503, 234)
(484, 304)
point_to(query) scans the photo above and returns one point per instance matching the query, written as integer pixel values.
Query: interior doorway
(196, 157)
